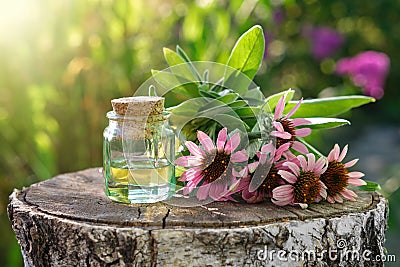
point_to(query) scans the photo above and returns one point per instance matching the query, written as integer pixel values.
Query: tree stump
(68, 221)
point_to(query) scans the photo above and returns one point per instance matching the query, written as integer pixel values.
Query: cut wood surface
(68, 221)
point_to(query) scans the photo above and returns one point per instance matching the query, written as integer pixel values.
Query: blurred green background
(61, 62)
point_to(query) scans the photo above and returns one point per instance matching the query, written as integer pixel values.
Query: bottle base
(147, 194)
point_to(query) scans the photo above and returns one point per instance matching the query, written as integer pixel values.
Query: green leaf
(188, 108)
(218, 102)
(172, 58)
(178, 65)
(231, 122)
(325, 123)
(209, 94)
(272, 100)
(325, 107)
(183, 55)
(248, 52)
(246, 112)
(228, 98)
(175, 83)
(238, 103)
(370, 186)
(254, 97)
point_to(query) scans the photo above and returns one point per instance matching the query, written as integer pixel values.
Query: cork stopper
(138, 106)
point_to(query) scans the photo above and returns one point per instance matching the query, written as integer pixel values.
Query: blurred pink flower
(213, 167)
(325, 41)
(337, 178)
(367, 70)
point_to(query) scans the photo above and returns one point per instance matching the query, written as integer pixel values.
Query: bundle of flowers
(238, 145)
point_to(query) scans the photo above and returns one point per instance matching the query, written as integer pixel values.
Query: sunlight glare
(17, 18)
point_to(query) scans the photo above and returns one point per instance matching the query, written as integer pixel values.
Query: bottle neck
(138, 127)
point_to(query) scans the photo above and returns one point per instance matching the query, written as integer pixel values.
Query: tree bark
(68, 221)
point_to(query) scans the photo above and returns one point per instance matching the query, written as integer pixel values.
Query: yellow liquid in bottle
(139, 182)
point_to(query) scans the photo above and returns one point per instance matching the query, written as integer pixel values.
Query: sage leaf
(248, 52)
(325, 123)
(172, 58)
(370, 186)
(175, 83)
(325, 107)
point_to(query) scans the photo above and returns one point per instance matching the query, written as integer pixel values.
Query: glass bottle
(138, 149)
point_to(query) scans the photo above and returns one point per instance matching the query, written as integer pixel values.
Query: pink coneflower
(304, 185)
(264, 175)
(212, 167)
(337, 178)
(285, 128)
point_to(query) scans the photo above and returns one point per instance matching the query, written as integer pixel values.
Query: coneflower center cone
(272, 179)
(306, 188)
(335, 178)
(288, 127)
(215, 165)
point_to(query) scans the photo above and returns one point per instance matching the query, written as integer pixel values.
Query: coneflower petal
(343, 154)
(356, 182)
(279, 108)
(283, 190)
(299, 147)
(190, 174)
(283, 135)
(288, 176)
(302, 132)
(268, 148)
(323, 193)
(300, 121)
(221, 140)
(232, 143)
(293, 167)
(348, 195)
(311, 161)
(336, 152)
(239, 156)
(205, 141)
(355, 174)
(282, 148)
(350, 192)
(286, 199)
(215, 191)
(278, 126)
(203, 191)
(351, 163)
(338, 198)
(294, 109)
(194, 149)
(319, 166)
(188, 161)
(330, 199)
(303, 162)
